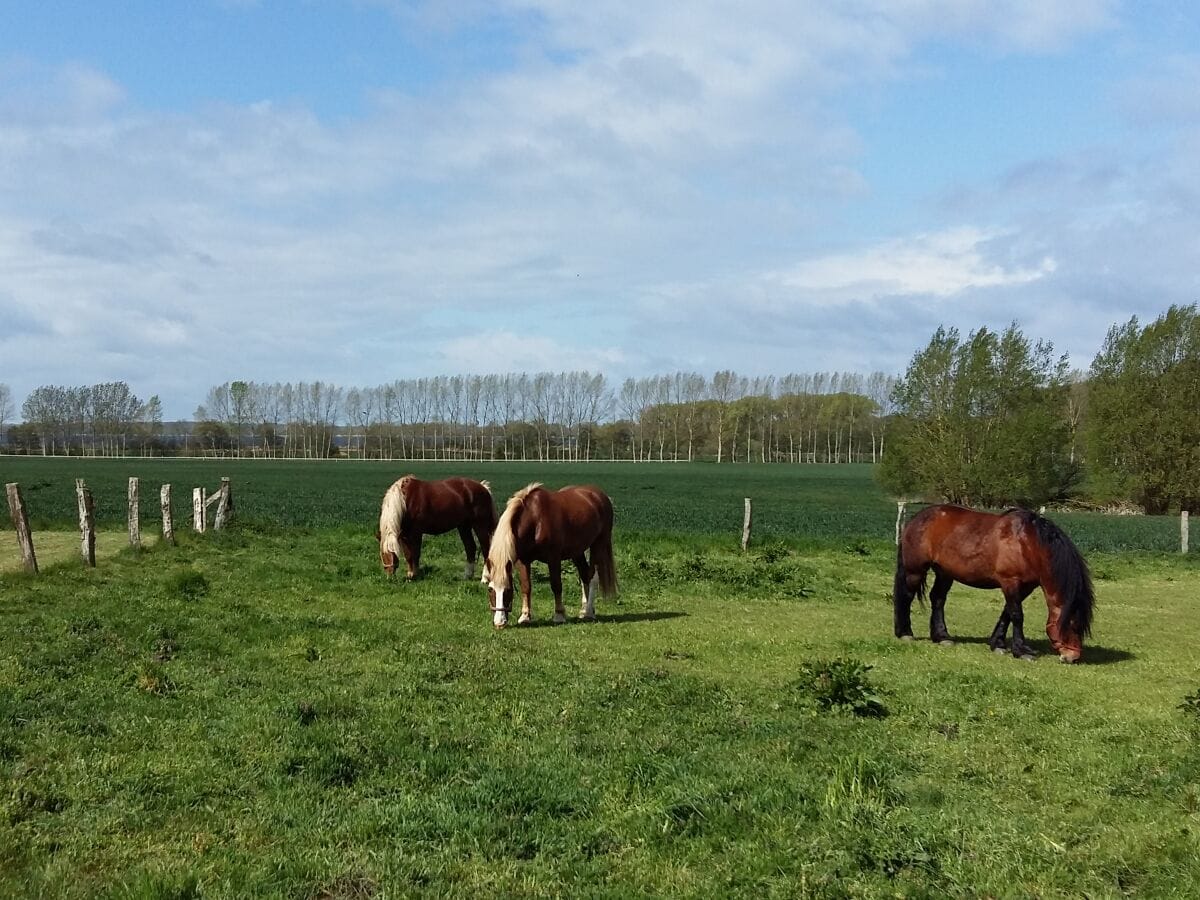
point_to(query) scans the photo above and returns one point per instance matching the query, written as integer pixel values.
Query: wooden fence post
(746, 526)
(87, 522)
(1183, 531)
(168, 527)
(199, 510)
(224, 505)
(16, 508)
(900, 504)
(135, 525)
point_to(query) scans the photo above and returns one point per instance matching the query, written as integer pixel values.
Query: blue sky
(363, 190)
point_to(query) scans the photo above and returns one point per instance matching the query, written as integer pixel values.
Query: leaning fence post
(16, 508)
(168, 527)
(900, 504)
(224, 505)
(746, 526)
(135, 526)
(87, 522)
(1183, 531)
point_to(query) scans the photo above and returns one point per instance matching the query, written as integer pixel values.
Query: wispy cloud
(938, 265)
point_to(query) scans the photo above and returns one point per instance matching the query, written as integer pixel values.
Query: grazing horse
(413, 508)
(551, 526)
(1014, 551)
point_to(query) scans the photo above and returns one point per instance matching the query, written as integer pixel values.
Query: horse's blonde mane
(503, 551)
(391, 514)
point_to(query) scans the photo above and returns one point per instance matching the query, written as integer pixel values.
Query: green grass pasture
(260, 712)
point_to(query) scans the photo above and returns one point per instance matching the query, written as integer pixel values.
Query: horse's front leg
(526, 579)
(587, 574)
(468, 541)
(938, 633)
(411, 545)
(1014, 599)
(560, 614)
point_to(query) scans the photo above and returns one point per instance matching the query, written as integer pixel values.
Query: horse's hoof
(587, 617)
(1028, 657)
(907, 638)
(559, 618)
(945, 642)
(524, 620)
(1001, 651)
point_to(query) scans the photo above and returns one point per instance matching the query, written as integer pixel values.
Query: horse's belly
(984, 583)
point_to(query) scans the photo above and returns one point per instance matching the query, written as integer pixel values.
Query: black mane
(1069, 570)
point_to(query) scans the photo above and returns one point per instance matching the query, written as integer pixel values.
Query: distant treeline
(992, 418)
(816, 417)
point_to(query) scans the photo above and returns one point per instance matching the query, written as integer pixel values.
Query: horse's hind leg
(999, 637)
(587, 575)
(938, 632)
(560, 614)
(464, 532)
(1013, 600)
(908, 584)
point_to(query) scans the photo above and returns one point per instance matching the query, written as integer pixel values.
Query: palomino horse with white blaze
(1015, 551)
(413, 508)
(550, 526)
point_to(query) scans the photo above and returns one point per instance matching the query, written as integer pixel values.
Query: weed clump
(152, 679)
(1191, 706)
(841, 685)
(187, 584)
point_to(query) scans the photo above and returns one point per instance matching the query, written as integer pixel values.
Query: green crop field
(260, 712)
(792, 503)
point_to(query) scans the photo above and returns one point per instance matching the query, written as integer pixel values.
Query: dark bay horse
(1015, 551)
(413, 508)
(551, 526)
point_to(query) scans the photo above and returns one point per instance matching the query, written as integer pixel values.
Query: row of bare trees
(812, 417)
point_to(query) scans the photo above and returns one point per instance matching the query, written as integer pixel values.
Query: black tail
(1071, 577)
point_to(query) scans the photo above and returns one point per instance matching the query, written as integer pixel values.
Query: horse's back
(564, 523)
(973, 546)
(439, 506)
(588, 504)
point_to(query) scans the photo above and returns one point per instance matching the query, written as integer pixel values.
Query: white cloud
(939, 265)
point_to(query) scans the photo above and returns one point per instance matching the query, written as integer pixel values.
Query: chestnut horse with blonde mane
(550, 526)
(1015, 551)
(413, 508)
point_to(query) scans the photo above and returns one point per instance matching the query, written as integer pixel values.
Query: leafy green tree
(1143, 434)
(981, 421)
